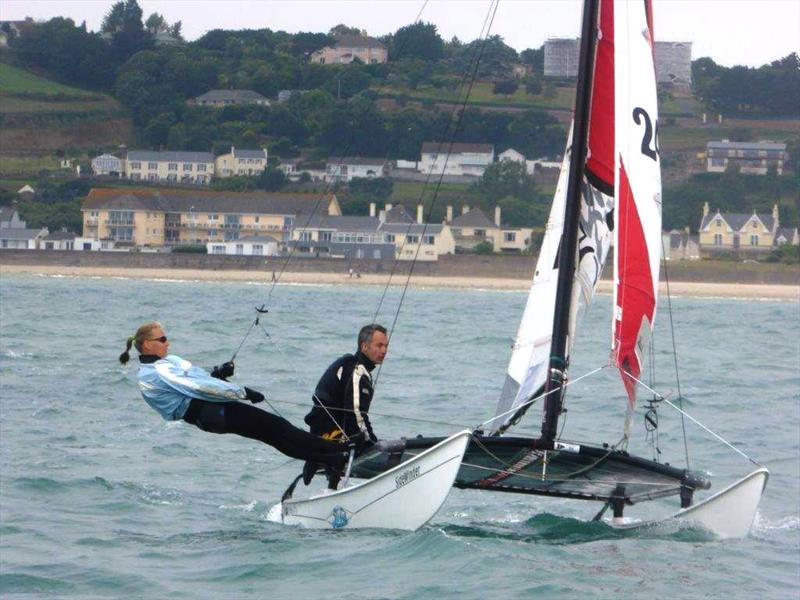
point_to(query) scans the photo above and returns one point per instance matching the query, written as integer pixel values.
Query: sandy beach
(677, 288)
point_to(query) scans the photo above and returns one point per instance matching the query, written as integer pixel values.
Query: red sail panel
(636, 300)
(600, 162)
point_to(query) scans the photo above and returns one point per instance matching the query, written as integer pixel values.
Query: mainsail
(637, 238)
(527, 369)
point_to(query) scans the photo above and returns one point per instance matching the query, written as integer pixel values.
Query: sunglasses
(162, 339)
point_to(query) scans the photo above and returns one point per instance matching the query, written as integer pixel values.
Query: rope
(698, 423)
(674, 350)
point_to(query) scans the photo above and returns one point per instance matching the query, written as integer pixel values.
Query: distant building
(58, 240)
(673, 61)
(754, 158)
(108, 164)
(345, 168)
(157, 217)
(737, 233)
(240, 162)
(26, 192)
(439, 158)
(473, 227)
(19, 238)
(164, 38)
(521, 71)
(680, 245)
(10, 30)
(220, 98)
(349, 47)
(184, 167)
(258, 245)
(9, 218)
(787, 235)
(286, 95)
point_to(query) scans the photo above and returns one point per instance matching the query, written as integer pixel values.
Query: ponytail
(126, 356)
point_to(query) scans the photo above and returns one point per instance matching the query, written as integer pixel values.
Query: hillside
(40, 117)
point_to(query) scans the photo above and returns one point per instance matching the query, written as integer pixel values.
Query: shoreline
(677, 288)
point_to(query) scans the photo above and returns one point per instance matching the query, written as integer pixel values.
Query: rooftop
(455, 148)
(170, 156)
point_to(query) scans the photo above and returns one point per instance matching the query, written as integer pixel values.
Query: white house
(455, 159)
(240, 162)
(107, 164)
(186, 167)
(258, 245)
(345, 168)
(58, 240)
(15, 238)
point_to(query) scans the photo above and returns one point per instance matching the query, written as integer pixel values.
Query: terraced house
(156, 217)
(184, 167)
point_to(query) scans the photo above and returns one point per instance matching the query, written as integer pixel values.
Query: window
(187, 166)
(376, 254)
(719, 222)
(510, 236)
(389, 238)
(754, 239)
(152, 166)
(412, 239)
(258, 249)
(136, 165)
(428, 240)
(718, 239)
(201, 168)
(325, 236)
(172, 177)
(213, 217)
(172, 167)
(239, 248)
(152, 177)
(257, 219)
(305, 236)
(217, 249)
(755, 225)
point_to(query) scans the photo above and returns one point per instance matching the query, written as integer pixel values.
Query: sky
(732, 32)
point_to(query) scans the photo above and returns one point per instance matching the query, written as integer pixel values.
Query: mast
(557, 367)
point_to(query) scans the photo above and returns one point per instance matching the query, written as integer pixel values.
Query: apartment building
(240, 162)
(183, 167)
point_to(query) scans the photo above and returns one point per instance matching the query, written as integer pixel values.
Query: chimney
(419, 214)
(775, 217)
(388, 207)
(382, 216)
(705, 209)
(449, 218)
(464, 209)
(497, 216)
(233, 150)
(371, 209)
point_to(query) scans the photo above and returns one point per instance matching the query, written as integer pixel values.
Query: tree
(342, 29)
(419, 40)
(156, 23)
(533, 86)
(484, 248)
(496, 58)
(505, 87)
(534, 58)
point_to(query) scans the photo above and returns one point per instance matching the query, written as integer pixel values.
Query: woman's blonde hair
(140, 337)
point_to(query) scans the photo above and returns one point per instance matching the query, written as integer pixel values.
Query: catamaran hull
(404, 497)
(727, 514)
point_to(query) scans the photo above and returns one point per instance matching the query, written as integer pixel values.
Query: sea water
(100, 497)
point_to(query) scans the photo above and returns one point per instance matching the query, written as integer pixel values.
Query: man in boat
(179, 391)
(343, 395)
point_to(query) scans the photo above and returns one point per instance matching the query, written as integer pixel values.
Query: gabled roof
(357, 41)
(60, 235)
(787, 233)
(265, 239)
(398, 214)
(222, 95)
(474, 218)
(168, 156)
(356, 160)
(339, 223)
(249, 153)
(456, 148)
(105, 156)
(207, 201)
(17, 233)
(738, 220)
(412, 228)
(723, 145)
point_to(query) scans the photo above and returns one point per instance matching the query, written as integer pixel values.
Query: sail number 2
(650, 133)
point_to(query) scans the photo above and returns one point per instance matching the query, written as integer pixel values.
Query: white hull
(405, 497)
(727, 514)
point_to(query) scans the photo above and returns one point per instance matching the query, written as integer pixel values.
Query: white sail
(638, 183)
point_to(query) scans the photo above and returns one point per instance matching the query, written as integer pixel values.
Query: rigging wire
(459, 117)
(324, 194)
(674, 351)
(695, 421)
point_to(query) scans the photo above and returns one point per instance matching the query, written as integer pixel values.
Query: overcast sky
(748, 32)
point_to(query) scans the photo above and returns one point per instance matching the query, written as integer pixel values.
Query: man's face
(154, 344)
(376, 348)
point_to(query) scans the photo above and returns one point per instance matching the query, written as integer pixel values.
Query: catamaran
(608, 194)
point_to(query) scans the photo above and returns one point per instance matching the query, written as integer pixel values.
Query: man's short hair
(367, 331)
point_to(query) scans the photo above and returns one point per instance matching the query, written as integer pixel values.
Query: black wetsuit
(341, 402)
